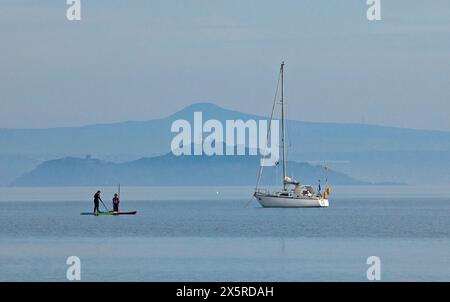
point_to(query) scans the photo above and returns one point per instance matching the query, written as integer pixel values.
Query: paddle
(105, 206)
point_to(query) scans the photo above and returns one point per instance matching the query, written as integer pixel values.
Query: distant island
(170, 170)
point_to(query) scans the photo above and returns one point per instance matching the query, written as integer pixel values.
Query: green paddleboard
(110, 213)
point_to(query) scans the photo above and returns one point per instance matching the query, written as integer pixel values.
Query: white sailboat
(293, 194)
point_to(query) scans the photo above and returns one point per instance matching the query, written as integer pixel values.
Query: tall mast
(283, 131)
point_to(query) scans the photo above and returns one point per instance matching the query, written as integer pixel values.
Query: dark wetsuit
(116, 202)
(96, 202)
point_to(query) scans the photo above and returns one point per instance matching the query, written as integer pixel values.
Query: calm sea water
(215, 234)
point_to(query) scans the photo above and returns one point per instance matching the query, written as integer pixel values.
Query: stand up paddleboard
(109, 213)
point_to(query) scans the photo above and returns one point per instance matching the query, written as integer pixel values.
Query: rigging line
(288, 136)
(248, 202)
(269, 128)
(276, 175)
(289, 149)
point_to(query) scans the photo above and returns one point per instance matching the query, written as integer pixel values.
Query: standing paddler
(97, 198)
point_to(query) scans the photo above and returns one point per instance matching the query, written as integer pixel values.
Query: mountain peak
(203, 106)
(210, 111)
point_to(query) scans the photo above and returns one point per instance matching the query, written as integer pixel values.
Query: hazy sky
(137, 60)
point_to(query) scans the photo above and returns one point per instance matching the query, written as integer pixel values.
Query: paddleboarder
(116, 202)
(97, 198)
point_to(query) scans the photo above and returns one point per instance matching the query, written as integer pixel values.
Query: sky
(139, 60)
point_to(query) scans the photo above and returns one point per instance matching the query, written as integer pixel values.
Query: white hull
(273, 201)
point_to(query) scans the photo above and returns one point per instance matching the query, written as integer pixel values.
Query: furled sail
(290, 181)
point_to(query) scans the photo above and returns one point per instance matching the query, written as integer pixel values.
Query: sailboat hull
(274, 201)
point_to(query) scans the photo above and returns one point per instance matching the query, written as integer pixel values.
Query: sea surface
(221, 234)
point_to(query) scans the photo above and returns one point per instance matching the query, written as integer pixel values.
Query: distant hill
(152, 137)
(169, 170)
(367, 152)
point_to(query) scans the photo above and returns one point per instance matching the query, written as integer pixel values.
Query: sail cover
(290, 181)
